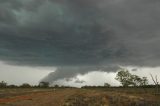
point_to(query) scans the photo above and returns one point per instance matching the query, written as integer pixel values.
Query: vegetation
(155, 80)
(25, 85)
(3, 84)
(44, 84)
(127, 79)
(107, 85)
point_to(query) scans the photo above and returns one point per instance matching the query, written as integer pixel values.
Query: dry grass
(76, 97)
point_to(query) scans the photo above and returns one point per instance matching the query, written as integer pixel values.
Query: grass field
(78, 97)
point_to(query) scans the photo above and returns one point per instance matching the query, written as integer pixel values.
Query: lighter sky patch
(23, 74)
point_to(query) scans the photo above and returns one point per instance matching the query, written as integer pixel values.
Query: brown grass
(76, 97)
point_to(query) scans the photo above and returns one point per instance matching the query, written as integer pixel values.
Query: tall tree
(124, 77)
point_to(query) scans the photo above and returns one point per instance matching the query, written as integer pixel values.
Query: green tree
(135, 80)
(127, 79)
(144, 81)
(124, 77)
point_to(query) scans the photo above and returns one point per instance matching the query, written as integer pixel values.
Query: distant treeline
(146, 86)
(4, 84)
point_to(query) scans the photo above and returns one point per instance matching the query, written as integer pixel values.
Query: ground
(76, 97)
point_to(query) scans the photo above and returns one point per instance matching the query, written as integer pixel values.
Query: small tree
(155, 80)
(56, 86)
(107, 85)
(144, 81)
(44, 84)
(12, 86)
(3, 84)
(25, 85)
(135, 80)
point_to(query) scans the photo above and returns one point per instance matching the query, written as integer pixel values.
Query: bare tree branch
(153, 79)
(156, 80)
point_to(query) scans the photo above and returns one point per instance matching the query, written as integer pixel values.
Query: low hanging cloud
(79, 36)
(70, 72)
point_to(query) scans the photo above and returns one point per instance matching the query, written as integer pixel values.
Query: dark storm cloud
(80, 33)
(54, 35)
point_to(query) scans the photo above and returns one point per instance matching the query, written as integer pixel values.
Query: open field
(78, 97)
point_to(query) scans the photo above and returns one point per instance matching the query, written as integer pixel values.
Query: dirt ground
(74, 97)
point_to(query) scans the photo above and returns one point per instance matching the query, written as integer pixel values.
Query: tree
(135, 80)
(124, 77)
(3, 84)
(44, 84)
(25, 85)
(12, 86)
(155, 80)
(56, 86)
(138, 81)
(127, 79)
(107, 85)
(144, 81)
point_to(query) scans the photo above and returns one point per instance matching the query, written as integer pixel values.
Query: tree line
(4, 84)
(42, 84)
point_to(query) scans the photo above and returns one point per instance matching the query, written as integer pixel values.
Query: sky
(78, 42)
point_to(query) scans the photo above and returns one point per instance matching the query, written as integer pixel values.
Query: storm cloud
(79, 36)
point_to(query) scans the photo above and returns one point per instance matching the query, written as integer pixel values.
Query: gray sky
(75, 37)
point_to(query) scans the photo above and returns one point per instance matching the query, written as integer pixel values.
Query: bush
(44, 84)
(3, 84)
(25, 85)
